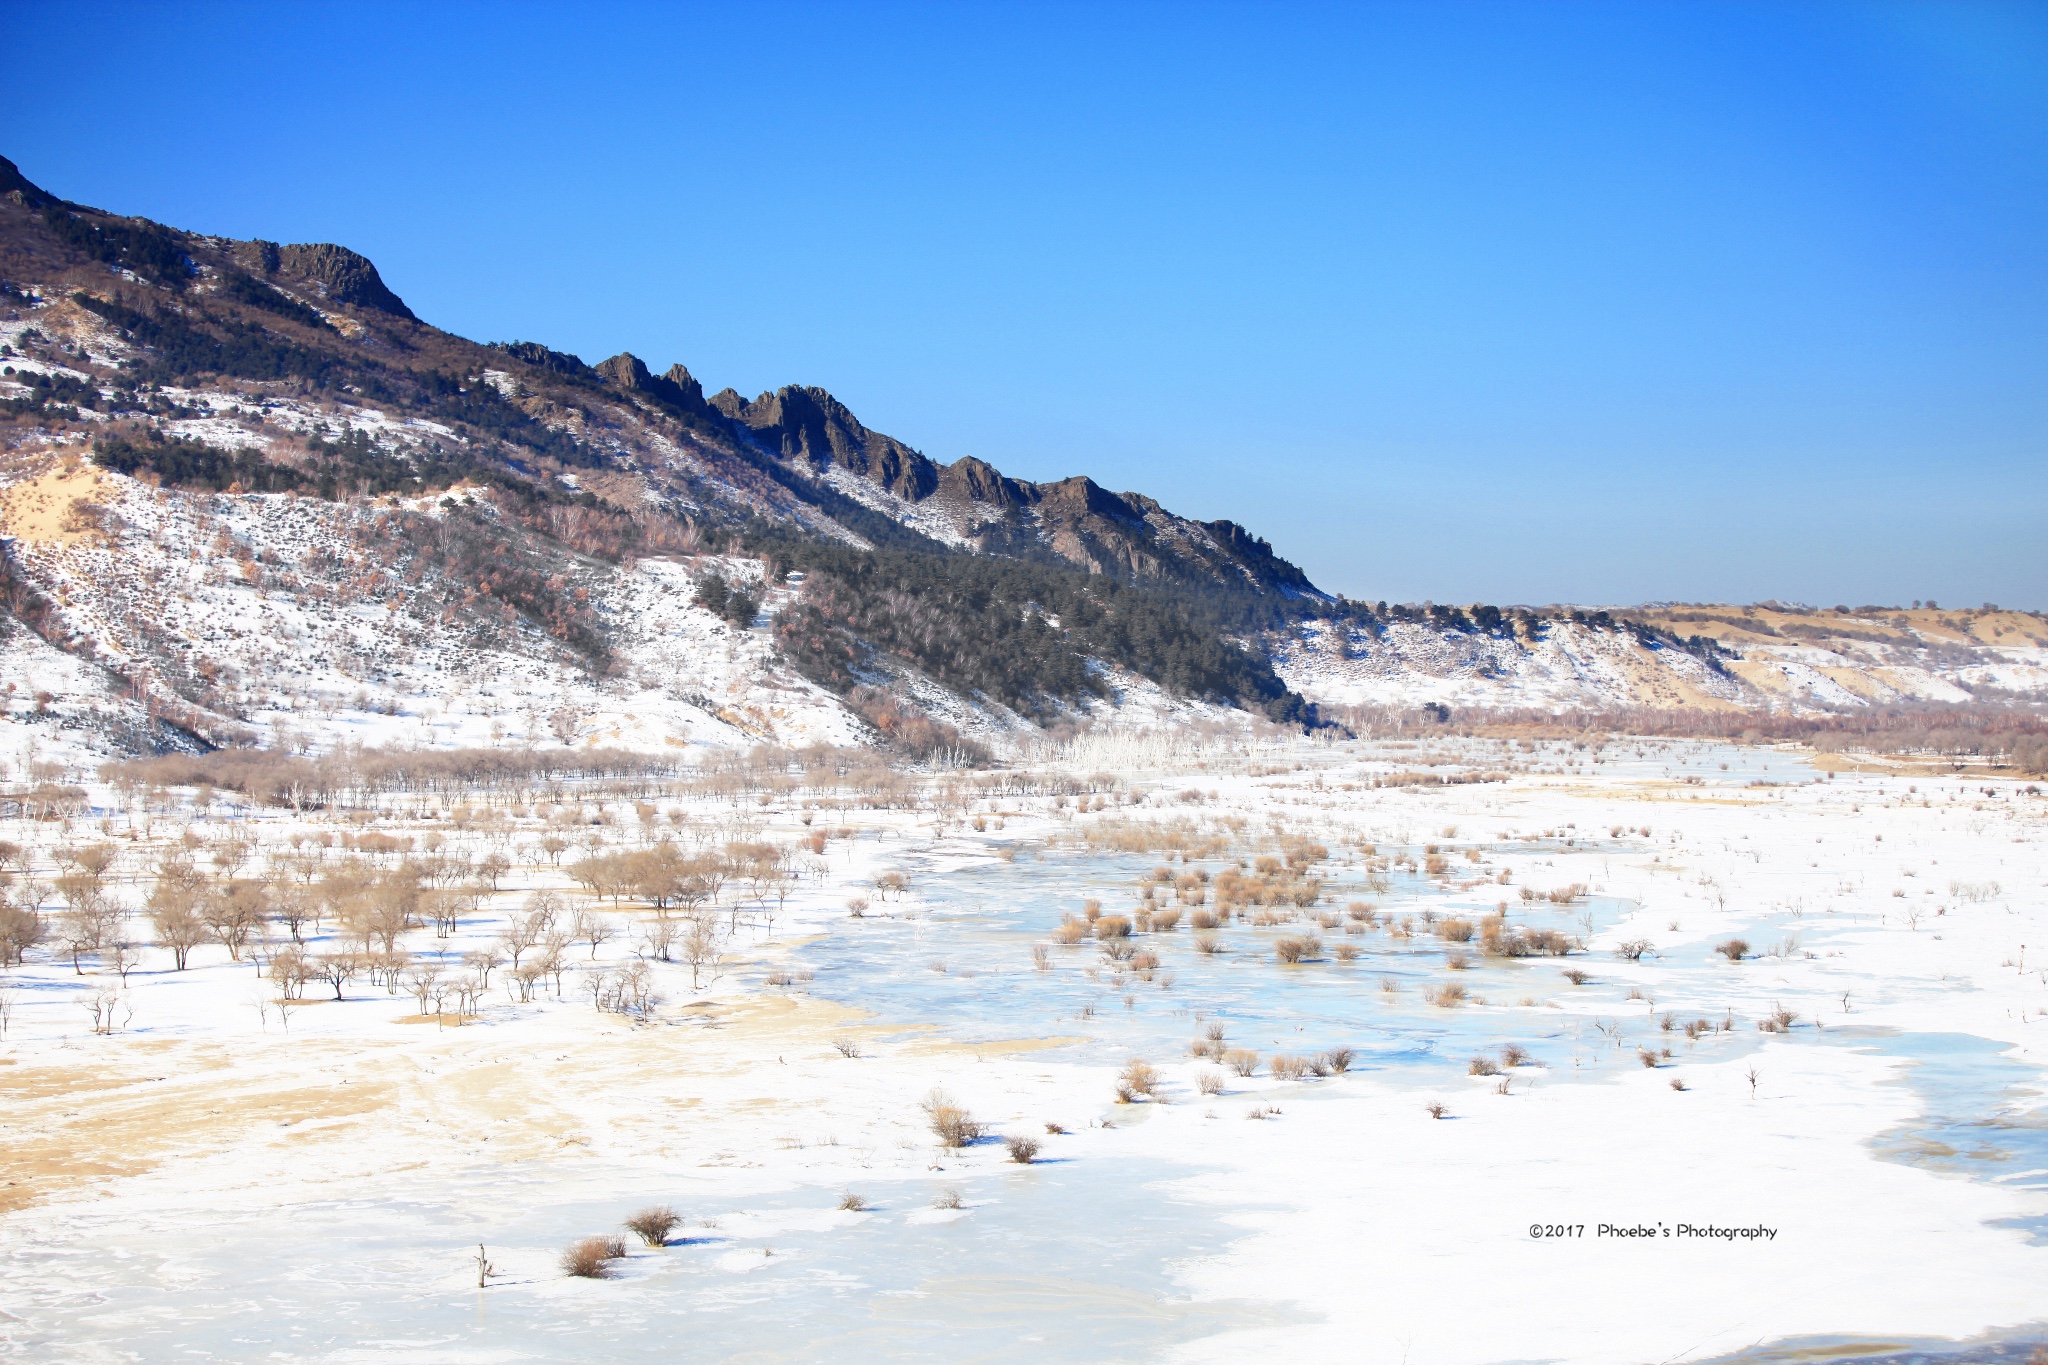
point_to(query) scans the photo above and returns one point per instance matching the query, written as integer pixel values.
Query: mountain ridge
(281, 451)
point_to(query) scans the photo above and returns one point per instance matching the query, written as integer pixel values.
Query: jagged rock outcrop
(677, 389)
(346, 276)
(973, 504)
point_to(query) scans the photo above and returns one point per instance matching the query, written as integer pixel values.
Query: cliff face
(973, 505)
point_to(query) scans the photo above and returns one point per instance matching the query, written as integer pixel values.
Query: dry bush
(1455, 930)
(1138, 1077)
(1779, 1021)
(1214, 1031)
(1112, 926)
(1242, 1060)
(852, 1203)
(1483, 1066)
(1438, 1110)
(590, 1258)
(951, 1124)
(1023, 1150)
(1209, 1082)
(1734, 949)
(1204, 919)
(1514, 1054)
(1208, 944)
(1339, 1059)
(1298, 948)
(1646, 1057)
(1448, 996)
(1633, 949)
(846, 1047)
(1677, 1084)
(1287, 1068)
(1040, 959)
(948, 1199)
(1456, 961)
(1070, 932)
(654, 1224)
(1577, 977)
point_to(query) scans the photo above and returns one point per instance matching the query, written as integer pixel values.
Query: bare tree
(703, 948)
(21, 928)
(596, 926)
(234, 912)
(337, 969)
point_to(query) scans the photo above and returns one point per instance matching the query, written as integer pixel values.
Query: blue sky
(1507, 303)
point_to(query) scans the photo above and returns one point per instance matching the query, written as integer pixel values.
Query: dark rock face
(21, 190)
(258, 257)
(1076, 520)
(346, 276)
(540, 357)
(812, 426)
(676, 389)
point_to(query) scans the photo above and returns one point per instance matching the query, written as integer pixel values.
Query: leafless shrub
(1287, 1068)
(1208, 944)
(1138, 1077)
(1297, 948)
(590, 1258)
(653, 1225)
(1514, 1054)
(1483, 1066)
(1438, 1110)
(1780, 1020)
(951, 1124)
(852, 1203)
(1112, 927)
(1070, 932)
(1209, 1082)
(949, 1199)
(1633, 949)
(1242, 1060)
(1340, 1059)
(1455, 930)
(1214, 1031)
(1677, 1084)
(1734, 949)
(1577, 977)
(1023, 1150)
(1204, 919)
(1446, 997)
(1040, 959)
(1646, 1057)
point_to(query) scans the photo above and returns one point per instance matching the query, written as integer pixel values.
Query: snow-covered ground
(213, 1180)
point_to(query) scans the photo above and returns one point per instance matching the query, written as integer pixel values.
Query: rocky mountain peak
(346, 276)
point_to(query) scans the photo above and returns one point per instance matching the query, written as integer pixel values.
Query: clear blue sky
(1513, 302)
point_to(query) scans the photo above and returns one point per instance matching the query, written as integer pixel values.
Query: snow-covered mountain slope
(248, 497)
(1709, 657)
